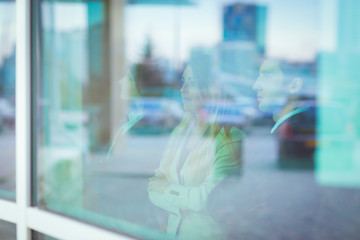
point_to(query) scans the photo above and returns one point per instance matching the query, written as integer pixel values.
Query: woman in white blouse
(200, 153)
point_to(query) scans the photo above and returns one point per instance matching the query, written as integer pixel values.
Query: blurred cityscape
(79, 71)
(106, 98)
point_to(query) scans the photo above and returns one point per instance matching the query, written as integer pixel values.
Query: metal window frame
(21, 213)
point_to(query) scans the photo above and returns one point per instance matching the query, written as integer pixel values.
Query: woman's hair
(212, 96)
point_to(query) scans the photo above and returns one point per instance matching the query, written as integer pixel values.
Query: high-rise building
(338, 118)
(243, 45)
(245, 23)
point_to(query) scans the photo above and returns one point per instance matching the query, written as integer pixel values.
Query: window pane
(7, 231)
(199, 119)
(7, 99)
(40, 236)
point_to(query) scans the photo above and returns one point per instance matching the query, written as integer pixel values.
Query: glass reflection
(7, 99)
(40, 236)
(248, 146)
(7, 231)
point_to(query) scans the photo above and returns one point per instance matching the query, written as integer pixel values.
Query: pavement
(266, 202)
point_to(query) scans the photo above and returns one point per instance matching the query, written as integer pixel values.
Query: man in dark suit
(247, 204)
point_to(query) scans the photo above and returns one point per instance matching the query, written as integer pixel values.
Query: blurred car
(297, 137)
(159, 115)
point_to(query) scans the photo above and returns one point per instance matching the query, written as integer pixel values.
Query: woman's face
(190, 91)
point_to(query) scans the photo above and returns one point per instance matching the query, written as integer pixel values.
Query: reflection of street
(271, 203)
(117, 187)
(7, 160)
(288, 204)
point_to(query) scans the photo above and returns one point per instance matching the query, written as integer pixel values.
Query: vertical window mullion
(23, 90)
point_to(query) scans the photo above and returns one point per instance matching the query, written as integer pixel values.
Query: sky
(293, 28)
(296, 29)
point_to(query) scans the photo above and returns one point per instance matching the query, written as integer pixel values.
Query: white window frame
(21, 213)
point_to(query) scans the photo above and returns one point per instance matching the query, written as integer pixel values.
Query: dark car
(297, 137)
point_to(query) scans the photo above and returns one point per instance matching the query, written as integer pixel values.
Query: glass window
(40, 236)
(7, 99)
(7, 231)
(197, 119)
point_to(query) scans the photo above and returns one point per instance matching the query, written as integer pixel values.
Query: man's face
(269, 86)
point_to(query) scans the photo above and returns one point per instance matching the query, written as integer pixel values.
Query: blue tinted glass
(199, 119)
(7, 231)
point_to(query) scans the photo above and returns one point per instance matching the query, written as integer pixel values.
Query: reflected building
(79, 76)
(65, 73)
(7, 76)
(79, 96)
(245, 23)
(243, 45)
(337, 160)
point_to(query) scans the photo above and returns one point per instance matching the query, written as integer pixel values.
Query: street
(266, 202)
